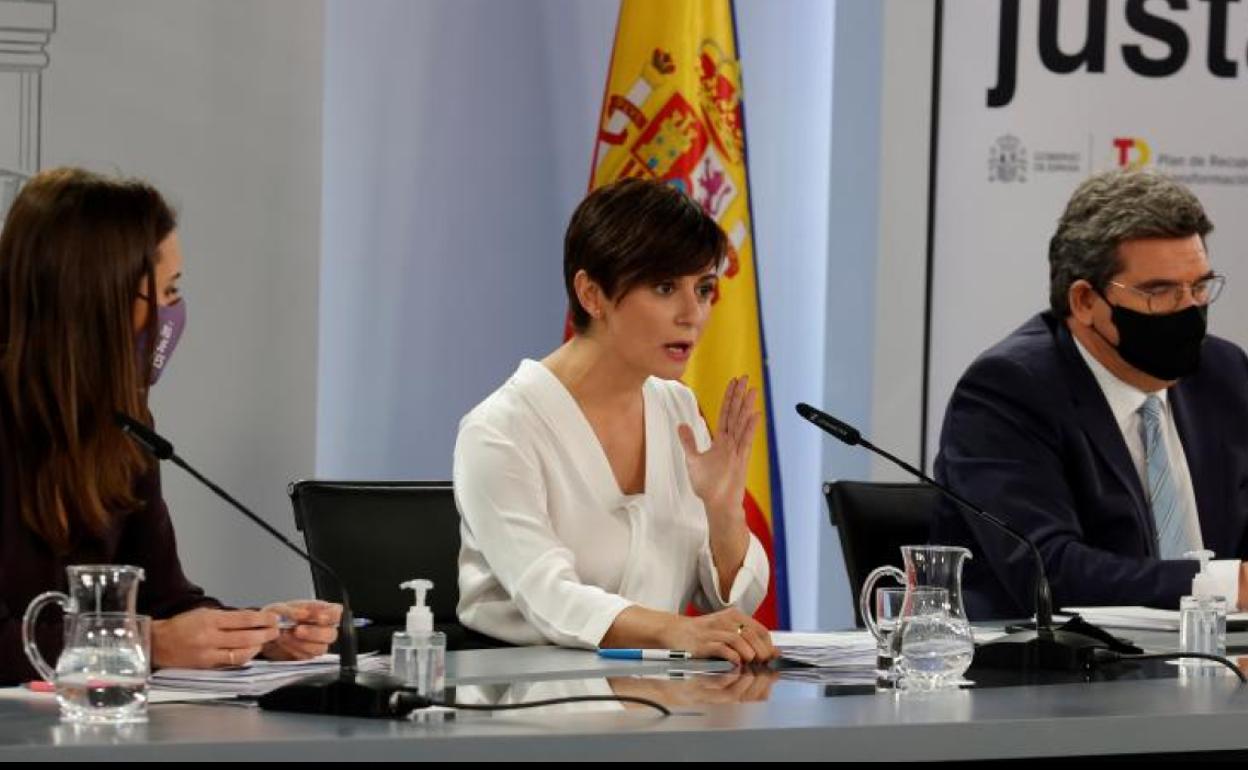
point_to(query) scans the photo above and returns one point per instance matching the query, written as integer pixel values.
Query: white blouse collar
(555, 405)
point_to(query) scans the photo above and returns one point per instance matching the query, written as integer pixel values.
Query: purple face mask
(170, 321)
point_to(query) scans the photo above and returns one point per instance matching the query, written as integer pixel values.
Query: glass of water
(101, 676)
(889, 603)
(933, 647)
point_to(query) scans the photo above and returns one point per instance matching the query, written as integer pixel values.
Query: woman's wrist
(639, 626)
(728, 530)
(669, 634)
(157, 642)
(726, 515)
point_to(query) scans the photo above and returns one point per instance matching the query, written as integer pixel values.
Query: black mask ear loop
(1104, 299)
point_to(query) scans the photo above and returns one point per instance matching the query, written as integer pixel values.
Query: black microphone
(830, 424)
(1046, 648)
(347, 693)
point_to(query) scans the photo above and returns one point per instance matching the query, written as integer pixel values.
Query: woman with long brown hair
(90, 311)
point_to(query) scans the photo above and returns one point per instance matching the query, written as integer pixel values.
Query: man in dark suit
(1110, 429)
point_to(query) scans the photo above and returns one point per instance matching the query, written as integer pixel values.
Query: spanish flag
(672, 111)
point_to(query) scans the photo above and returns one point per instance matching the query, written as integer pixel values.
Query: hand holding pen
(310, 627)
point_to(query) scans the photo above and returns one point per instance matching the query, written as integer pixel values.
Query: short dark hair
(1108, 209)
(633, 232)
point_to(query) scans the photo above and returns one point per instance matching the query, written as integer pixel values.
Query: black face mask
(1164, 346)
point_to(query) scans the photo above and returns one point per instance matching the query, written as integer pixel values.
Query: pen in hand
(285, 623)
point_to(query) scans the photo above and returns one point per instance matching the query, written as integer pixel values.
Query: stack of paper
(1146, 618)
(842, 650)
(256, 677)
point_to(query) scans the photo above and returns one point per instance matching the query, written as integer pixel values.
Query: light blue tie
(1163, 495)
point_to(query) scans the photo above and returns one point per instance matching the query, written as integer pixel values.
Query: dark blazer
(28, 567)
(1029, 436)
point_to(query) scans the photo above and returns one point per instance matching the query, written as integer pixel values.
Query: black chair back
(873, 520)
(376, 535)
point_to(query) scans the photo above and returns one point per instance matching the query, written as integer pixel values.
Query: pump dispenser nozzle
(1203, 584)
(419, 617)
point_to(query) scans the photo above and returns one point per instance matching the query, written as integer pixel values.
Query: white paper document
(848, 650)
(256, 677)
(1140, 618)
(840, 649)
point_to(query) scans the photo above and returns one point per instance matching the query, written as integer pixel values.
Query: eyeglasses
(1168, 298)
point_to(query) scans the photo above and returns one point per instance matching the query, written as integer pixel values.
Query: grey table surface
(1203, 712)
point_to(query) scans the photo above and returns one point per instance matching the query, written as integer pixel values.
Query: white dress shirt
(1125, 402)
(552, 549)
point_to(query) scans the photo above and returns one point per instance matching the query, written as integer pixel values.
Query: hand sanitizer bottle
(418, 656)
(1202, 616)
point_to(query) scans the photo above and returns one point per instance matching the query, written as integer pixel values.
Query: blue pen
(633, 654)
(286, 623)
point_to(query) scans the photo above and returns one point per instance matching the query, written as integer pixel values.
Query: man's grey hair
(1107, 209)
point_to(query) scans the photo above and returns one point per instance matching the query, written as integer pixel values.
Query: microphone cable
(408, 699)
(1108, 656)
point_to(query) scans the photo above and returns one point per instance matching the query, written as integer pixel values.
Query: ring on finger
(740, 629)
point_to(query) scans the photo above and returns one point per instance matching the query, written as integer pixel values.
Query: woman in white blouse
(595, 503)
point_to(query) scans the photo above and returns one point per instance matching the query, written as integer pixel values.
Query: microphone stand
(1046, 648)
(346, 693)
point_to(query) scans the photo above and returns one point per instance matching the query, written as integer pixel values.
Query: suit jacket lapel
(1098, 423)
(1206, 460)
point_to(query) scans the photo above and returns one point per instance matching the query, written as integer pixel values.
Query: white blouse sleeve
(749, 588)
(502, 499)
